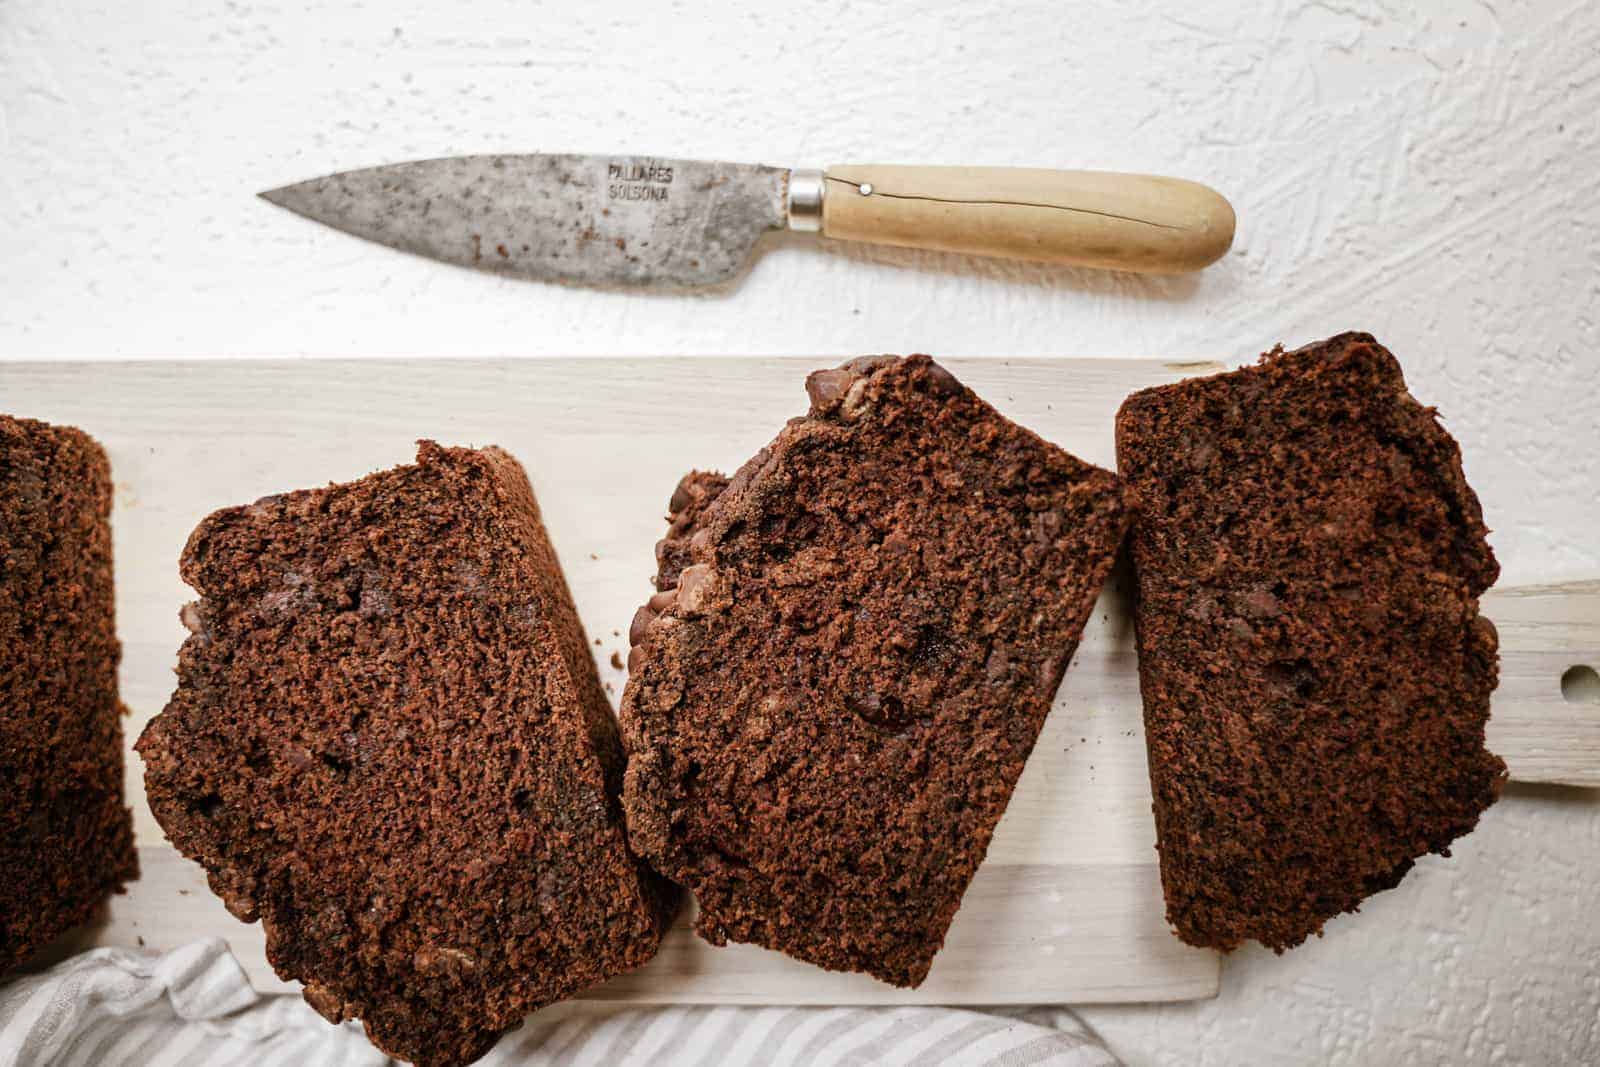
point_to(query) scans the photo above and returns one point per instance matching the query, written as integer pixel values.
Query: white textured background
(1434, 179)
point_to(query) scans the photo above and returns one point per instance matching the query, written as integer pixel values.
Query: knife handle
(1133, 222)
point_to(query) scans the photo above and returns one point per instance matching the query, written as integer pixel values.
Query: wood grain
(1067, 908)
(1086, 933)
(1135, 222)
(1544, 631)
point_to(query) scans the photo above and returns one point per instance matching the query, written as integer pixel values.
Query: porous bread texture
(858, 638)
(1314, 669)
(389, 743)
(66, 836)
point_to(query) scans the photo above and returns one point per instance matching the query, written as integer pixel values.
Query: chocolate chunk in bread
(389, 742)
(694, 494)
(66, 837)
(855, 646)
(1315, 672)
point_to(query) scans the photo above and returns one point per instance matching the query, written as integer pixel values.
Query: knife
(649, 221)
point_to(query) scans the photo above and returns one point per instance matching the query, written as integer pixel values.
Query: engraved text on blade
(634, 180)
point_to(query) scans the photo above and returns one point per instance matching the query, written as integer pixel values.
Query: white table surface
(1433, 179)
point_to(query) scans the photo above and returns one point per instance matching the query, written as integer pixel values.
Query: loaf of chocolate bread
(390, 744)
(1315, 672)
(66, 837)
(855, 645)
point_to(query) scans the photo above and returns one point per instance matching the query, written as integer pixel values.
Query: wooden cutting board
(1067, 907)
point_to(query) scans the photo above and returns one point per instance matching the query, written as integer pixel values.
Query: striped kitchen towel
(194, 1006)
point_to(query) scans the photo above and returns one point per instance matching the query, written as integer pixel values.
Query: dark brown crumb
(389, 743)
(1315, 672)
(616, 661)
(66, 837)
(854, 647)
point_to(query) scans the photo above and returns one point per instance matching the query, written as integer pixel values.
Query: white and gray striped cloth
(194, 1006)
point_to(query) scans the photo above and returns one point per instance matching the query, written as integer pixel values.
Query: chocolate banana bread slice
(66, 837)
(390, 744)
(1315, 672)
(830, 703)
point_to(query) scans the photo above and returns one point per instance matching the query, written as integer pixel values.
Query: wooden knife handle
(1134, 222)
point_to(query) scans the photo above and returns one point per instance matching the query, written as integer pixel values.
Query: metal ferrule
(806, 189)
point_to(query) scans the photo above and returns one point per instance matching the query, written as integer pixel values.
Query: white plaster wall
(1433, 178)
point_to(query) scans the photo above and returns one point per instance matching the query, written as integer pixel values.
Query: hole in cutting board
(1580, 684)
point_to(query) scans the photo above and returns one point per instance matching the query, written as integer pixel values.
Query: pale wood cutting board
(1067, 907)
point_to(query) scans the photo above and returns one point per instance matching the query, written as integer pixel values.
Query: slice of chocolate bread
(66, 837)
(1315, 673)
(390, 743)
(829, 706)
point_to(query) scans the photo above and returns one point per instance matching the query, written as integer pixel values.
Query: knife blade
(649, 221)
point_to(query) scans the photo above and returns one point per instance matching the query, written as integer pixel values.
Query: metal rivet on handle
(866, 188)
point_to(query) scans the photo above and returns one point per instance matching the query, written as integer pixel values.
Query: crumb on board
(616, 660)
